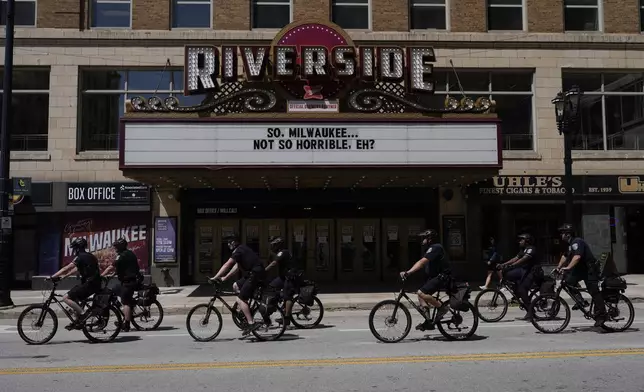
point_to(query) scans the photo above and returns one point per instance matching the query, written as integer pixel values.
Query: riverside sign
(314, 63)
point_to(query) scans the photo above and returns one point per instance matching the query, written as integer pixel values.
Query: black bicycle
(205, 315)
(307, 311)
(147, 314)
(451, 325)
(95, 321)
(618, 307)
(495, 302)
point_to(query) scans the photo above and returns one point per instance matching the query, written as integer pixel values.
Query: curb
(184, 309)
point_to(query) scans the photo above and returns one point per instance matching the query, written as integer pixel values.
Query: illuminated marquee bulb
(366, 60)
(349, 63)
(392, 63)
(229, 61)
(255, 61)
(420, 68)
(314, 61)
(202, 74)
(282, 60)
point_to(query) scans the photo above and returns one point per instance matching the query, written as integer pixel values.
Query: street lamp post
(566, 111)
(6, 277)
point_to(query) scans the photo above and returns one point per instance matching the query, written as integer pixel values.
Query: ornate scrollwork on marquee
(387, 98)
(232, 98)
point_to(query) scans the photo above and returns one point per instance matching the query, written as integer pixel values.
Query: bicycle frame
(511, 288)
(571, 291)
(53, 297)
(403, 294)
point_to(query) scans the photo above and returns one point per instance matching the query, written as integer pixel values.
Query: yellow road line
(324, 362)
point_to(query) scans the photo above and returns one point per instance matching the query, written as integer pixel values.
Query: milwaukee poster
(102, 229)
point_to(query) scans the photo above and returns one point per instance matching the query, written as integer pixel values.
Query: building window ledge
(522, 155)
(97, 156)
(30, 156)
(607, 155)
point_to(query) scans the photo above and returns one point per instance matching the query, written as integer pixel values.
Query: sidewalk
(178, 300)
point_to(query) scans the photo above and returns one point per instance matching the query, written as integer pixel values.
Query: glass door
(400, 246)
(323, 263)
(359, 251)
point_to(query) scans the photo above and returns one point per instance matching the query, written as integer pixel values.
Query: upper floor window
(111, 13)
(29, 108)
(611, 109)
(428, 14)
(505, 14)
(24, 11)
(351, 14)
(642, 15)
(583, 15)
(511, 89)
(191, 14)
(271, 14)
(104, 94)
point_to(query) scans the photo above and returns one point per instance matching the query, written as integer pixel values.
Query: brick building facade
(78, 62)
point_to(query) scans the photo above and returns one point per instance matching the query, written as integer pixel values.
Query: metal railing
(36, 142)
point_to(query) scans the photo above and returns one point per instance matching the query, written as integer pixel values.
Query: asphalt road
(341, 356)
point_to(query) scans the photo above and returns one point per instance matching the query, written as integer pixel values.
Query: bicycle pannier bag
(270, 299)
(547, 286)
(148, 295)
(459, 300)
(102, 299)
(616, 283)
(307, 293)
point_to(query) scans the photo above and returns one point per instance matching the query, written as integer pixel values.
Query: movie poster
(102, 229)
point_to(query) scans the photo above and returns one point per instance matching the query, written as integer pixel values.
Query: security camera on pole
(567, 113)
(6, 277)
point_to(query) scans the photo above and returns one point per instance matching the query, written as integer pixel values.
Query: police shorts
(84, 290)
(127, 291)
(248, 285)
(433, 285)
(286, 285)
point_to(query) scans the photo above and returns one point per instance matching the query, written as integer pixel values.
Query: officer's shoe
(600, 321)
(426, 326)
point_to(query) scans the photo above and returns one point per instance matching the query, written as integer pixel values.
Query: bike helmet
(429, 234)
(120, 244)
(567, 228)
(276, 243)
(79, 243)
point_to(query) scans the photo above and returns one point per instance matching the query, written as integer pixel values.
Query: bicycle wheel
(271, 328)
(147, 318)
(491, 300)
(304, 316)
(391, 319)
(37, 320)
(548, 308)
(616, 313)
(455, 327)
(99, 323)
(204, 315)
(238, 316)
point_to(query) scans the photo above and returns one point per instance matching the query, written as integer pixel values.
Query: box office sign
(554, 186)
(249, 144)
(107, 193)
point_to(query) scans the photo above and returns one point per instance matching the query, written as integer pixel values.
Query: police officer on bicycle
(523, 270)
(246, 260)
(582, 265)
(435, 262)
(286, 279)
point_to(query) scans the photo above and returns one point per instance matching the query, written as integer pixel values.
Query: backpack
(459, 297)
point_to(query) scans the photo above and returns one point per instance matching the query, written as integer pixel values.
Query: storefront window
(105, 92)
(512, 90)
(612, 109)
(30, 108)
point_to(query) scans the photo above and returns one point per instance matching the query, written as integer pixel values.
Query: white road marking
(8, 329)
(167, 334)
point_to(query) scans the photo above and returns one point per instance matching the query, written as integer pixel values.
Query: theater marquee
(179, 143)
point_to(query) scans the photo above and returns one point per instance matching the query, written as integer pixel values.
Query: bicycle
(143, 310)
(444, 326)
(95, 319)
(500, 301)
(301, 311)
(260, 313)
(612, 299)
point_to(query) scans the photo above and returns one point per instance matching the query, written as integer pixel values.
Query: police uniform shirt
(438, 261)
(531, 252)
(127, 266)
(579, 247)
(87, 266)
(283, 259)
(246, 259)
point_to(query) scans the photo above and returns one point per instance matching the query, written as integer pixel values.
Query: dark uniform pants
(523, 278)
(591, 279)
(287, 286)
